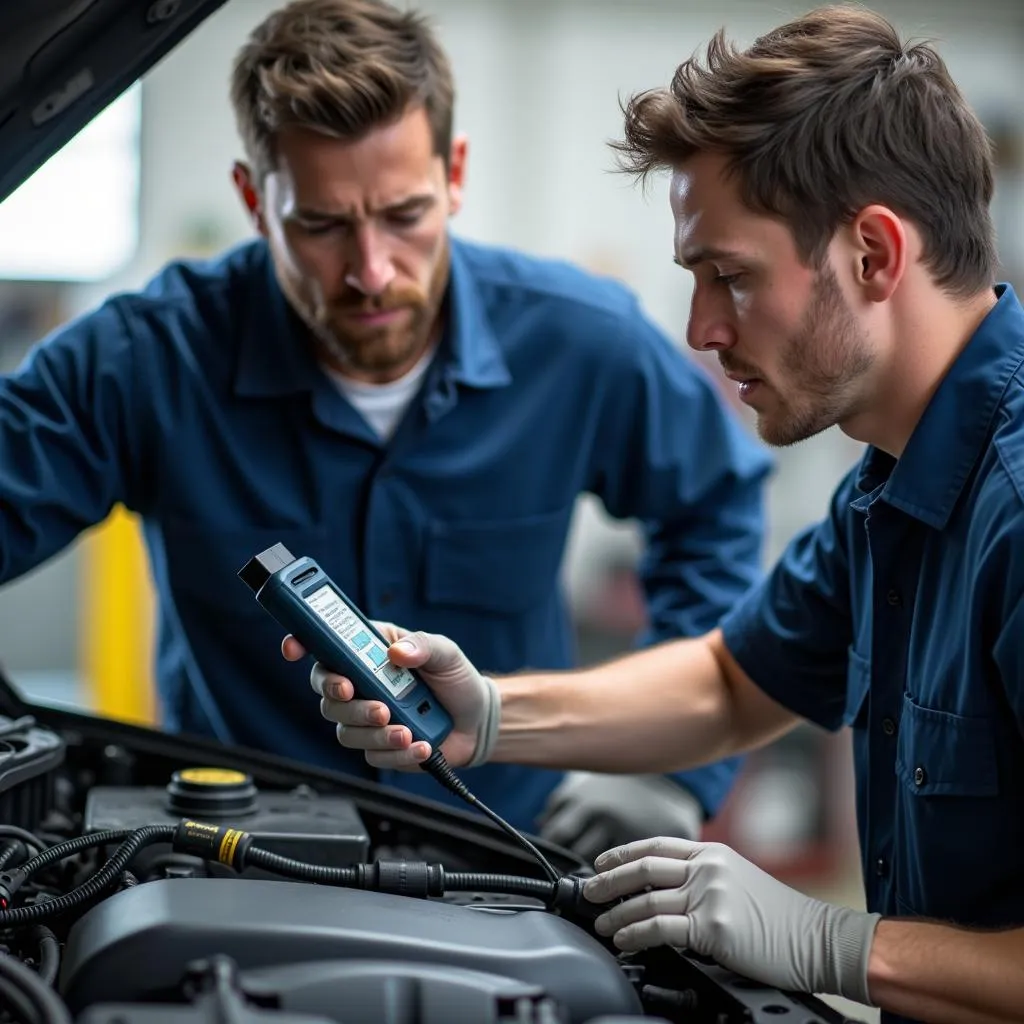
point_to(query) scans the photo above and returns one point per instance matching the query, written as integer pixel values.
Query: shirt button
(888, 727)
(881, 867)
(386, 597)
(894, 599)
(919, 776)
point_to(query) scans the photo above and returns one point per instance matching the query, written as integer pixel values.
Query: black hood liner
(64, 61)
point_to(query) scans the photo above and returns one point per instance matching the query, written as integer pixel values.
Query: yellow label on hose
(228, 846)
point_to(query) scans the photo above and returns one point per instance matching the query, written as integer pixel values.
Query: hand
(470, 698)
(706, 898)
(588, 812)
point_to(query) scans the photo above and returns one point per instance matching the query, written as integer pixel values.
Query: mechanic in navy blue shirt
(417, 413)
(831, 192)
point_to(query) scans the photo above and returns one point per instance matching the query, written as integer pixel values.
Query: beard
(821, 368)
(378, 352)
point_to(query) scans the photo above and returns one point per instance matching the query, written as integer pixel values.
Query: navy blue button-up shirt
(198, 404)
(902, 615)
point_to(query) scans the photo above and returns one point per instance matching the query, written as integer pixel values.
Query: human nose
(371, 269)
(709, 327)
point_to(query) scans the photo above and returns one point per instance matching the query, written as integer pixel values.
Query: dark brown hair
(340, 67)
(823, 116)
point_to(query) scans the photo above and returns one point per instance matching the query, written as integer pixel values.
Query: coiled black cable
(107, 876)
(27, 997)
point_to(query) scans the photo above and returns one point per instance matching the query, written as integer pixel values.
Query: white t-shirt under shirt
(382, 405)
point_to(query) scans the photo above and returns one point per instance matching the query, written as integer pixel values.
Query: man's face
(358, 235)
(783, 331)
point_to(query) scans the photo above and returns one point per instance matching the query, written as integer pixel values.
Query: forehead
(389, 161)
(710, 215)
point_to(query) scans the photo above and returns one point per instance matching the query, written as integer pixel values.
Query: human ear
(879, 247)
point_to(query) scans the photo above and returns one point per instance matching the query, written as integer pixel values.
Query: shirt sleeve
(792, 633)
(65, 438)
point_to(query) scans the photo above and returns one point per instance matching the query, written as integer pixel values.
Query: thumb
(437, 655)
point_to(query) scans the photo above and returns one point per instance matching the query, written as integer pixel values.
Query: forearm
(943, 975)
(667, 708)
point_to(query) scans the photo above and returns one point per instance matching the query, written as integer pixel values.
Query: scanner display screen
(364, 645)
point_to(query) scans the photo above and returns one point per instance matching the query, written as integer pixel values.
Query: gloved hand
(706, 898)
(589, 812)
(470, 698)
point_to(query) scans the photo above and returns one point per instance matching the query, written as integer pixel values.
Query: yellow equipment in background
(116, 642)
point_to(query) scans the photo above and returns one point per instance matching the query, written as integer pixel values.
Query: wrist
(849, 940)
(487, 733)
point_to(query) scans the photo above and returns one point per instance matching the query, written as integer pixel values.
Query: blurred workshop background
(539, 86)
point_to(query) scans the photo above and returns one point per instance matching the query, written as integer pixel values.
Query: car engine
(153, 879)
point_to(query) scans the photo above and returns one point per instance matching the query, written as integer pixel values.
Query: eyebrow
(421, 200)
(704, 254)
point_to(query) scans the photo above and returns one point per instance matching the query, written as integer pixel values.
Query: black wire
(106, 878)
(13, 832)
(439, 768)
(32, 1000)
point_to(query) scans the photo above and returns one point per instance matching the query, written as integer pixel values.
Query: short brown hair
(340, 67)
(823, 116)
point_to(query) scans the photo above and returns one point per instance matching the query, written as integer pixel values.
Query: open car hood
(63, 61)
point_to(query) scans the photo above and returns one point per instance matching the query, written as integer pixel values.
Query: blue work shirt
(902, 616)
(198, 404)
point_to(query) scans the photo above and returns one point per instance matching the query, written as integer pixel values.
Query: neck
(929, 331)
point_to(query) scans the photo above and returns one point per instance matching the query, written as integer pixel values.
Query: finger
(646, 873)
(292, 649)
(655, 931)
(330, 684)
(658, 846)
(358, 713)
(411, 650)
(394, 737)
(399, 760)
(659, 903)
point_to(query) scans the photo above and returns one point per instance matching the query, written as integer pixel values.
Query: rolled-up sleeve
(792, 633)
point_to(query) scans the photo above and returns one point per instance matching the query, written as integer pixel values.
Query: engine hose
(29, 997)
(417, 878)
(49, 953)
(105, 878)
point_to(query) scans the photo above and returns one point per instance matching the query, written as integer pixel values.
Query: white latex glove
(706, 898)
(469, 697)
(589, 812)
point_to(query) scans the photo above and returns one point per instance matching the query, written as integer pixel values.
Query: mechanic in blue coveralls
(417, 413)
(831, 191)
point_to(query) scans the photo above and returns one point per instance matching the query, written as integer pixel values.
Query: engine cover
(137, 944)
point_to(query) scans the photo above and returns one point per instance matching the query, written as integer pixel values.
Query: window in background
(76, 218)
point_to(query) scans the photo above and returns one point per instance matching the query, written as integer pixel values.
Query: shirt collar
(928, 478)
(275, 357)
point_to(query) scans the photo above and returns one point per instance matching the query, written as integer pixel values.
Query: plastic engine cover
(137, 944)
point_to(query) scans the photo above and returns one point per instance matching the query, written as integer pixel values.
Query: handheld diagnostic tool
(307, 603)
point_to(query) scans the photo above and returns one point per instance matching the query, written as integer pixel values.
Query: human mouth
(376, 317)
(747, 387)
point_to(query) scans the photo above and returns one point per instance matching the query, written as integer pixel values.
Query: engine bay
(155, 879)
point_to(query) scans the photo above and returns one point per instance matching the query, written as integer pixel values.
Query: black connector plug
(10, 883)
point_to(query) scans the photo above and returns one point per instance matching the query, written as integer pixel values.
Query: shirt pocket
(949, 819)
(943, 754)
(503, 566)
(858, 682)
